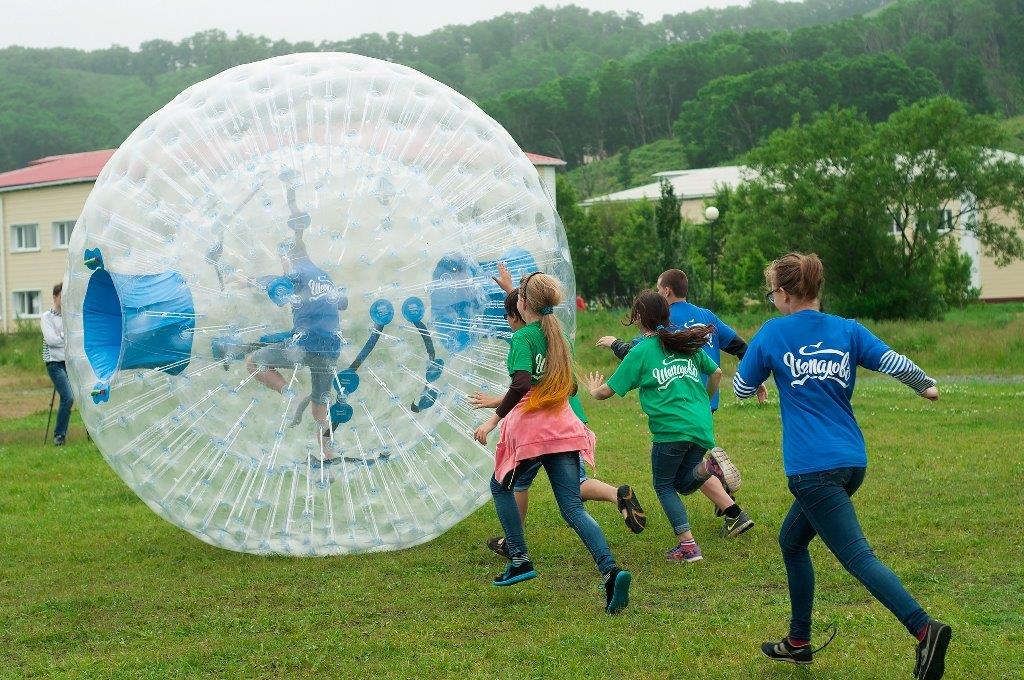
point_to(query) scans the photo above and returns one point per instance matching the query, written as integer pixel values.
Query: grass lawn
(93, 584)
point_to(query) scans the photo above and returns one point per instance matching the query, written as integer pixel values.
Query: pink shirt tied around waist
(526, 435)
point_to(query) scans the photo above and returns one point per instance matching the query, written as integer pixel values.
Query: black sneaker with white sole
(802, 655)
(931, 651)
(783, 651)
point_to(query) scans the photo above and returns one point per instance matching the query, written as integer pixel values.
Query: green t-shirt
(529, 352)
(671, 392)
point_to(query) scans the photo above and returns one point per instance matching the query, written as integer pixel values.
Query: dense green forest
(59, 100)
(692, 89)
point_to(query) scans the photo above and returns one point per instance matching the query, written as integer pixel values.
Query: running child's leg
(563, 472)
(795, 535)
(596, 490)
(508, 515)
(824, 500)
(666, 461)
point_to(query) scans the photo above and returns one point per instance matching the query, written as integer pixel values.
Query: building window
(941, 220)
(62, 234)
(24, 237)
(26, 303)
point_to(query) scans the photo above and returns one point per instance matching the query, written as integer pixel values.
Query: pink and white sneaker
(688, 551)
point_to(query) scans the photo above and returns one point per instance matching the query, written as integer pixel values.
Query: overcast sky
(91, 24)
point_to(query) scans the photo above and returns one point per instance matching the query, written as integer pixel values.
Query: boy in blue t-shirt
(814, 358)
(674, 287)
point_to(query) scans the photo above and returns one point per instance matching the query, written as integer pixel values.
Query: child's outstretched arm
(618, 347)
(597, 387)
(714, 380)
(516, 391)
(875, 355)
(504, 278)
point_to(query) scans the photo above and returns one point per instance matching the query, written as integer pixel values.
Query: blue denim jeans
(528, 472)
(823, 507)
(563, 471)
(59, 375)
(674, 471)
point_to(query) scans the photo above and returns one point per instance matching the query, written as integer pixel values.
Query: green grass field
(93, 584)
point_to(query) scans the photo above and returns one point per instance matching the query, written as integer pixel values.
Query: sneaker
(734, 526)
(783, 651)
(515, 574)
(719, 465)
(689, 552)
(616, 590)
(802, 655)
(58, 441)
(629, 506)
(931, 651)
(498, 545)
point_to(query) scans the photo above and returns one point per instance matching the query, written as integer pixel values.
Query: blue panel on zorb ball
(279, 297)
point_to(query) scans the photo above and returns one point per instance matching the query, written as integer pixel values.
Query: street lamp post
(711, 214)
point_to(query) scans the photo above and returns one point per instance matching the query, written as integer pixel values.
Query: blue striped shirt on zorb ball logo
(814, 359)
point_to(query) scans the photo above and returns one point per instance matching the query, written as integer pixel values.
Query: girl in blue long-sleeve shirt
(814, 358)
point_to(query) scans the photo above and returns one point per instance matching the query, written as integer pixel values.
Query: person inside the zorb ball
(313, 341)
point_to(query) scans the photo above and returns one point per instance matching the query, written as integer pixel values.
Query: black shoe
(630, 509)
(783, 651)
(58, 441)
(499, 546)
(803, 655)
(616, 590)
(931, 651)
(515, 574)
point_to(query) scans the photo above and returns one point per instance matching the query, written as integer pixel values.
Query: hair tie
(546, 310)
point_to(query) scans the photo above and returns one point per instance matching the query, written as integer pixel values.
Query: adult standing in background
(53, 354)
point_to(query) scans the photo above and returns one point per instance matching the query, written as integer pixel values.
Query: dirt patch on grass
(23, 394)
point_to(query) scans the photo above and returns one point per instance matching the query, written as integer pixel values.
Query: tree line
(59, 100)
(884, 204)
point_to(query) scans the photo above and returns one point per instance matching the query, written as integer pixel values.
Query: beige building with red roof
(39, 205)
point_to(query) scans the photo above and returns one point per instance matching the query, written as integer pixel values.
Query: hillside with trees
(59, 100)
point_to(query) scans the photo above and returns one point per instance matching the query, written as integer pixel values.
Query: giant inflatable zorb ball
(279, 296)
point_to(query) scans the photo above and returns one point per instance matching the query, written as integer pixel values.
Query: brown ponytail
(541, 293)
(801, 275)
(651, 310)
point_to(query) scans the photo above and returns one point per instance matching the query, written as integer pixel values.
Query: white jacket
(53, 336)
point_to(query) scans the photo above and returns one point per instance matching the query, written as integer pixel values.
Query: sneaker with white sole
(719, 465)
(931, 651)
(684, 552)
(734, 526)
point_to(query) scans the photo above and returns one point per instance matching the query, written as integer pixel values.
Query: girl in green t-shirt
(666, 367)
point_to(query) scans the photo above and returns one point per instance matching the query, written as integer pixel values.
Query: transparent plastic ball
(279, 297)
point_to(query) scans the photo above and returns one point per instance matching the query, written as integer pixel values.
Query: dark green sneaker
(616, 590)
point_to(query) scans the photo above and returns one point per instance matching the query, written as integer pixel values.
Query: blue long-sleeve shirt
(813, 358)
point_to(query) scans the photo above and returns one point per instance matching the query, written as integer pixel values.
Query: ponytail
(651, 310)
(542, 293)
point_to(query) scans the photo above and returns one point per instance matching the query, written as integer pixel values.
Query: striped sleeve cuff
(741, 388)
(906, 371)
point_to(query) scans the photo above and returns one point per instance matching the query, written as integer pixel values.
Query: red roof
(69, 167)
(86, 166)
(537, 159)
